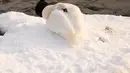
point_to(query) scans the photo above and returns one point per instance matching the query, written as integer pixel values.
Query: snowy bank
(28, 47)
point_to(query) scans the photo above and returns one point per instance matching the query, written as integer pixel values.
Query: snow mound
(29, 47)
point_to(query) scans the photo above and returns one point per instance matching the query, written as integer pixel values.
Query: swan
(65, 19)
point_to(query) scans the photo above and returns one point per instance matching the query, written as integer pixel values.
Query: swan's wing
(59, 23)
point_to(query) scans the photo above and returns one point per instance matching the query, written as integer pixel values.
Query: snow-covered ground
(29, 47)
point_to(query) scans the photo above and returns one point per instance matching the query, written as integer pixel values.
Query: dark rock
(40, 6)
(2, 11)
(2, 32)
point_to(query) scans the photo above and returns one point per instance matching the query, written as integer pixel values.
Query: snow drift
(29, 47)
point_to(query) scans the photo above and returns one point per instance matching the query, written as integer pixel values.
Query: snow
(29, 47)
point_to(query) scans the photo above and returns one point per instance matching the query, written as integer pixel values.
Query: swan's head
(67, 8)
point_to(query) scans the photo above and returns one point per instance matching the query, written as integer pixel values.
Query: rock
(2, 32)
(2, 11)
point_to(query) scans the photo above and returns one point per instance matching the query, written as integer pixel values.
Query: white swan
(65, 19)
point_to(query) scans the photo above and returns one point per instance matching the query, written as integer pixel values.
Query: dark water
(116, 7)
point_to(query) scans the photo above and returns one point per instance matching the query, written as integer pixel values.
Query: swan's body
(65, 19)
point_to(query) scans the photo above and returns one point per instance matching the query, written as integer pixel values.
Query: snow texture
(29, 47)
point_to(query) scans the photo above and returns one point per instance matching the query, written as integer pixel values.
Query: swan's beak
(68, 36)
(74, 38)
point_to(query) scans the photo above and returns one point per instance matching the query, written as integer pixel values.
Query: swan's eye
(65, 10)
